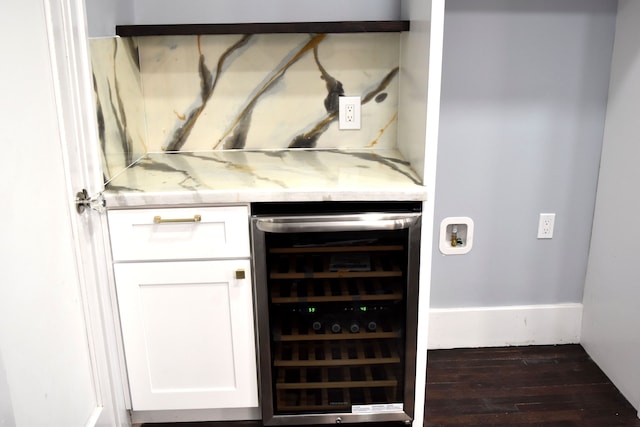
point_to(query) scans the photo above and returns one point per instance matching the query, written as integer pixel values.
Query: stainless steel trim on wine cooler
(336, 309)
(328, 223)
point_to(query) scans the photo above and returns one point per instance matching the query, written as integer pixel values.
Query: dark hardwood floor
(512, 386)
(522, 386)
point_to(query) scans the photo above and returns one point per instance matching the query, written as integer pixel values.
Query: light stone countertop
(242, 176)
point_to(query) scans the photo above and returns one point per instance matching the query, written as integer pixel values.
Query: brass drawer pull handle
(240, 274)
(159, 220)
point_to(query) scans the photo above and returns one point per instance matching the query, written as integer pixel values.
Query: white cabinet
(186, 307)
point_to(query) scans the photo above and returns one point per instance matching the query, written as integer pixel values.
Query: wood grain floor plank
(522, 386)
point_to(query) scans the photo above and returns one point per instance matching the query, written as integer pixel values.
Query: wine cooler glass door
(336, 319)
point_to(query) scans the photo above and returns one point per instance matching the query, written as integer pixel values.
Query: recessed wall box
(456, 235)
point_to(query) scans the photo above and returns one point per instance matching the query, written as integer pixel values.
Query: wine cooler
(336, 292)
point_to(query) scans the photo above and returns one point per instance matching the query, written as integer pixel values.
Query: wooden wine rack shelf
(343, 377)
(331, 400)
(343, 290)
(317, 266)
(362, 334)
(341, 353)
(292, 330)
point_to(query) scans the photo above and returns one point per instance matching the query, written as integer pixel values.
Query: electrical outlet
(349, 112)
(545, 225)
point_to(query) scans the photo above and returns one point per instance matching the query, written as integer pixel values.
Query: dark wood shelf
(262, 28)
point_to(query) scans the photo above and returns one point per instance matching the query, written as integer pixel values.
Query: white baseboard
(504, 326)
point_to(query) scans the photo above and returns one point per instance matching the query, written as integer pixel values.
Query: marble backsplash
(254, 92)
(120, 117)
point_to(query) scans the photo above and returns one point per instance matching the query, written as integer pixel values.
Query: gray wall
(222, 11)
(611, 315)
(102, 16)
(523, 102)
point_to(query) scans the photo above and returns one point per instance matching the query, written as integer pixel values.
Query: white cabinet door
(188, 334)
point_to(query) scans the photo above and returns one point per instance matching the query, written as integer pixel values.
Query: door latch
(84, 201)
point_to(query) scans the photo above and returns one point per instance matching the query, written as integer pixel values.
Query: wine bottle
(354, 327)
(336, 327)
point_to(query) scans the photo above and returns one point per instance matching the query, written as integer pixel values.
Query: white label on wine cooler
(377, 408)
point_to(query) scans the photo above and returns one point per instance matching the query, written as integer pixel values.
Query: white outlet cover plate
(545, 225)
(343, 102)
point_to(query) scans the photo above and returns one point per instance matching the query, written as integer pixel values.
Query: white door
(56, 364)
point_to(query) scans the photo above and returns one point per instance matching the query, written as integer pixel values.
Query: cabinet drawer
(181, 233)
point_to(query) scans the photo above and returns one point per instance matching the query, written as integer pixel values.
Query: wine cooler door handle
(328, 223)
